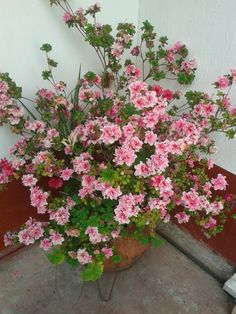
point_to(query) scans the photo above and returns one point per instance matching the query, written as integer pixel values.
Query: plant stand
(106, 295)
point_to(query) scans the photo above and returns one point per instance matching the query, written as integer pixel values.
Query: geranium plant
(118, 152)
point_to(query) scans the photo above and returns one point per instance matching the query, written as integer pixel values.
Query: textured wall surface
(26, 25)
(207, 27)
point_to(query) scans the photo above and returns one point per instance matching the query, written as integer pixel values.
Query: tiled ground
(163, 281)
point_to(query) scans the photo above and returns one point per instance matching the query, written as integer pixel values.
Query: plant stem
(29, 112)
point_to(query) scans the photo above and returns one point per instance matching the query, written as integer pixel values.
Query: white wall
(208, 28)
(25, 25)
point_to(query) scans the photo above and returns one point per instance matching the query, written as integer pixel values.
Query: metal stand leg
(102, 295)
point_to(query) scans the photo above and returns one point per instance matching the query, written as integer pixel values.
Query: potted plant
(107, 160)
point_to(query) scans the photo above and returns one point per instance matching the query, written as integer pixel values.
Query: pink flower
(188, 66)
(136, 88)
(134, 143)
(222, 82)
(128, 131)
(176, 47)
(73, 233)
(94, 236)
(8, 239)
(233, 73)
(167, 94)
(127, 208)
(142, 170)
(66, 174)
(117, 50)
(36, 231)
(84, 257)
(122, 217)
(60, 86)
(107, 252)
(69, 202)
(219, 183)
(133, 71)
(45, 244)
(182, 217)
(124, 155)
(88, 185)
(211, 223)
(191, 200)
(61, 216)
(108, 191)
(210, 163)
(56, 238)
(67, 17)
(150, 138)
(25, 238)
(38, 199)
(159, 162)
(55, 183)
(110, 133)
(115, 233)
(81, 164)
(6, 168)
(44, 93)
(29, 180)
(135, 51)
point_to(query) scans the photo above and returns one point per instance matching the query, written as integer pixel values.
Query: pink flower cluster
(33, 231)
(35, 126)
(38, 199)
(110, 133)
(222, 82)
(189, 66)
(29, 180)
(6, 171)
(107, 252)
(163, 186)
(81, 163)
(108, 191)
(219, 183)
(61, 216)
(128, 207)
(133, 73)
(88, 185)
(94, 235)
(83, 256)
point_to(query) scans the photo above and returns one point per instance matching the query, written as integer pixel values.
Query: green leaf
(52, 63)
(156, 242)
(128, 110)
(76, 199)
(184, 78)
(116, 258)
(157, 76)
(46, 47)
(93, 271)
(143, 240)
(46, 74)
(72, 262)
(230, 133)
(108, 203)
(109, 175)
(90, 76)
(93, 221)
(56, 257)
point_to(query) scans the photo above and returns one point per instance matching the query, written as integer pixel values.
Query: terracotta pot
(130, 251)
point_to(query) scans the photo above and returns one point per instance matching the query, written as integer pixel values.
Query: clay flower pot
(130, 251)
